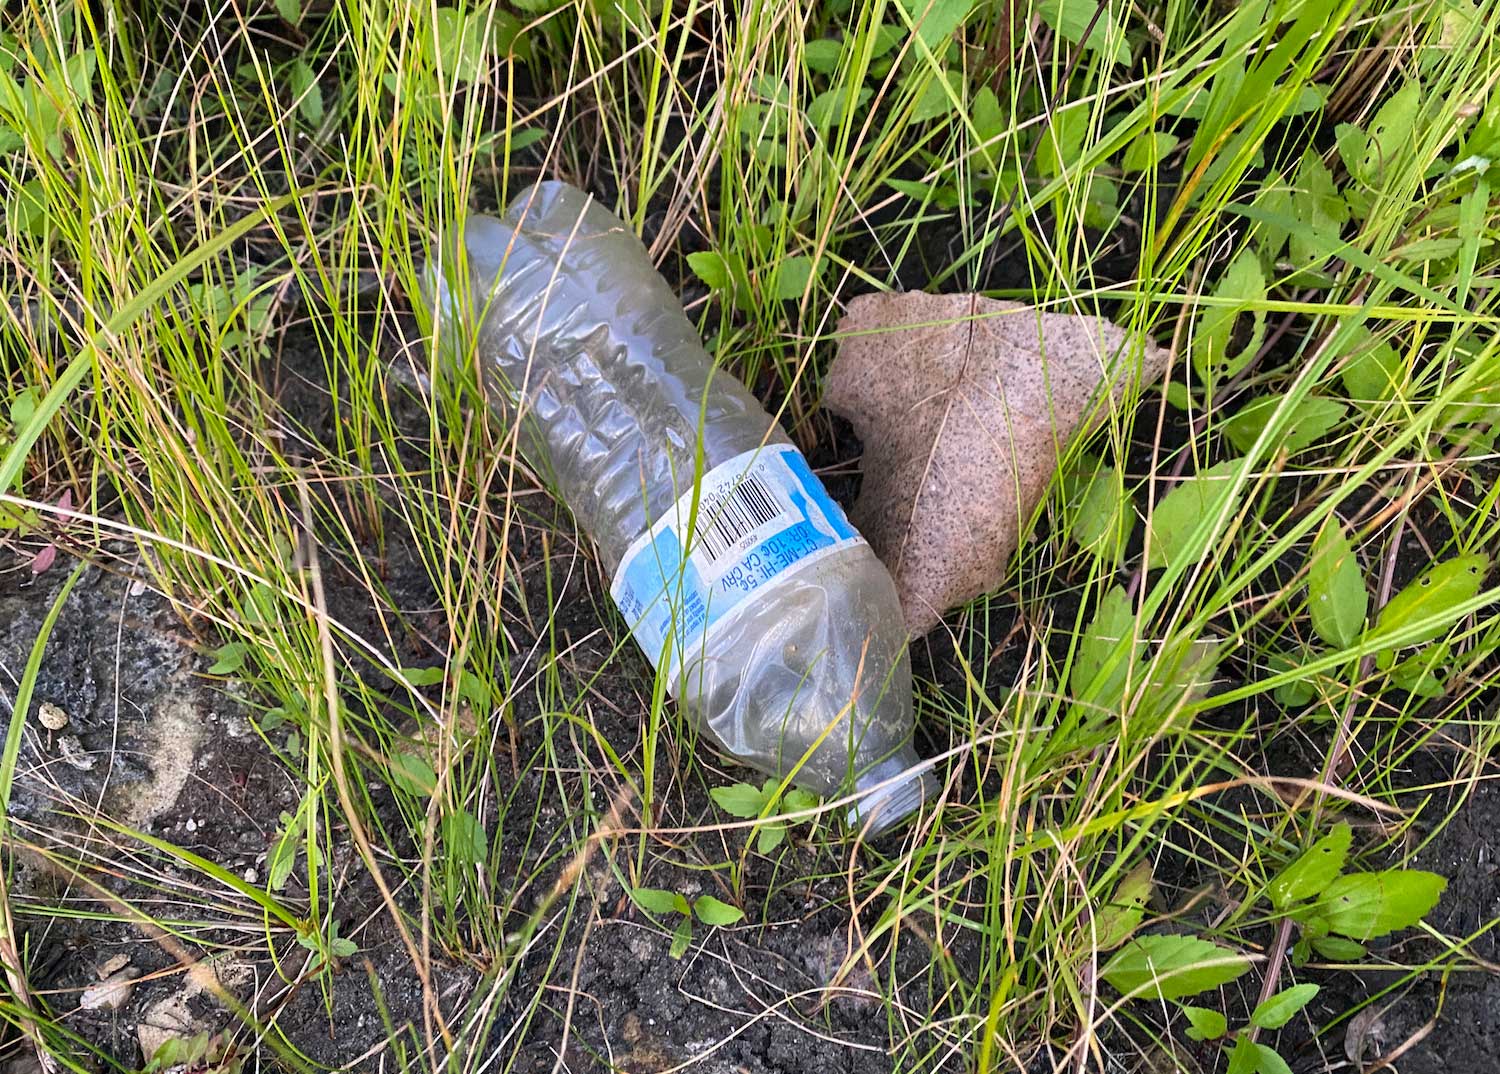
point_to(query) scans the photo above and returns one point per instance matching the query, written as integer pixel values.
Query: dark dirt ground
(740, 1000)
(124, 666)
(174, 751)
(1466, 1005)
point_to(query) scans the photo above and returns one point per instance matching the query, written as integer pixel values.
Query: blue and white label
(757, 517)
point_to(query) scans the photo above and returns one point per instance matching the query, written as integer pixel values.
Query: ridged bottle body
(576, 332)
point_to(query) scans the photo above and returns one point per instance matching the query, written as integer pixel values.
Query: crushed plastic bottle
(742, 581)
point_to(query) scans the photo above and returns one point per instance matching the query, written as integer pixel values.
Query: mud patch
(174, 736)
(1449, 1022)
(117, 713)
(760, 998)
(156, 746)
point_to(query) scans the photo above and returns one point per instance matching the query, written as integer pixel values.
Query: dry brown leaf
(964, 404)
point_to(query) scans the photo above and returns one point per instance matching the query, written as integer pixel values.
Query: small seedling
(329, 946)
(21, 408)
(471, 687)
(747, 802)
(291, 839)
(1335, 912)
(202, 1052)
(709, 910)
(229, 658)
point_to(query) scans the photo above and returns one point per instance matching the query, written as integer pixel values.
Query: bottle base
(895, 794)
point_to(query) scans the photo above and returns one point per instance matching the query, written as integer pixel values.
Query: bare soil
(765, 996)
(156, 743)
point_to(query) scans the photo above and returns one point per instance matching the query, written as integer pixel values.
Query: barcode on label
(740, 510)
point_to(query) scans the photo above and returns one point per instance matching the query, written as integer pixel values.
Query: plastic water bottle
(743, 582)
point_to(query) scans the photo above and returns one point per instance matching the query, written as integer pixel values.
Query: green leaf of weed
(1279, 1009)
(1363, 906)
(1216, 353)
(771, 836)
(1390, 131)
(1320, 211)
(465, 838)
(283, 857)
(822, 55)
(306, 92)
(1424, 673)
(656, 901)
(23, 406)
(796, 800)
(829, 108)
(1309, 421)
(1438, 591)
(1314, 869)
(1337, 598)
(1338, 949)
(424, 676)
(936, 21)
(474, 689)
(712, 911)
(710, 267)
(939, 97)
(740, 800)
(1244, 1059)
(1205, 1023)
(1105, 517)
(792, 276)
(1301, 953)
(1372, 375)
(1147, 150)
(78, 72)
(1071, 19)
(1107, 651)
(412, 774)
(1178, 527)
(989, 121)
(1268, 1061)
(1294, 694)
(1177, 395)
(1114, 922)
(229, 658)
(1170, 967)
(681, 937)
(1060, 143)
(526, 137)
(1182, 673)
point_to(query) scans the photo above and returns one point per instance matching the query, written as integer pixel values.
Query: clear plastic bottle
(780, 630)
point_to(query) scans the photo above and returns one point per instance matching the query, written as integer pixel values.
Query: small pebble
(251, 876)
(111, 993)
(191, 825)
(111, 965)
(74, 754)
(52, 716)
(167, 1020)
(229, 973)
